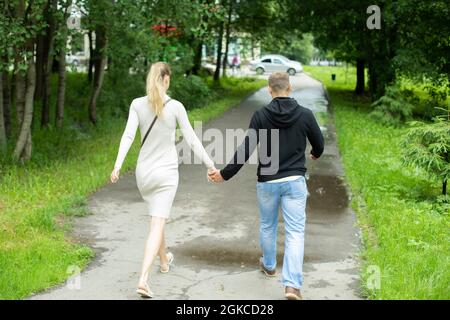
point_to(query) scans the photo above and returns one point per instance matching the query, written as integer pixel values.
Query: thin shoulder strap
(151, 126)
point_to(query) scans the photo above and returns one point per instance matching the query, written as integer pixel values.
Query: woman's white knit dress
(157, 165)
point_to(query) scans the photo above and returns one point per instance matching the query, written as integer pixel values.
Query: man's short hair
(279, 81)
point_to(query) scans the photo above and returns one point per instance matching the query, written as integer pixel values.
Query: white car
(276, 63)
(77, 59)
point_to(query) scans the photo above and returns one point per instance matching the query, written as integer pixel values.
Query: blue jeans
(291, 195)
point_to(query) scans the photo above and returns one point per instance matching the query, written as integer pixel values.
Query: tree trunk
(380, 76)
(7, 102)
(381, 54)
(227, 39)
(21, 86)
(47, 62)
(41, 78)
(60, 62)
(91, 57)
(197, 58)
(253, 48)
(360, 77)
(40, 62)
(61, 88)
(444, 188)
(219, 54)
(25, 86)
(101, 60)
(23, 146)
(2, 122)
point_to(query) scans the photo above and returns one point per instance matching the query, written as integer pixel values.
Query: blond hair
(279, 82)
(155, 85)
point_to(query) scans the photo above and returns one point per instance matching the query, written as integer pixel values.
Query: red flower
(166, 30)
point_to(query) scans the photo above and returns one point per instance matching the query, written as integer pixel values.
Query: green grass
(345, 76)
(37, 201)
(404, 235)
(424, 105)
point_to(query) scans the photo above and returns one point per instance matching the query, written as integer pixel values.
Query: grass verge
(37, 200)
(405, 236)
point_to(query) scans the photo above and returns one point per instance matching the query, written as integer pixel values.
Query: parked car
(276, 63)
(208, 67)
(76, 59)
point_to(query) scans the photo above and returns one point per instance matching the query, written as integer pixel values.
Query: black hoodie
(294, 123)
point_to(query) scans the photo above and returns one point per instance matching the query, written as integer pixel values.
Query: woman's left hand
(115, 175)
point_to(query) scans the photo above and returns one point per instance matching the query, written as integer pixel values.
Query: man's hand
(115, 175)
(211, 171)
(215, 176)
(313, 158)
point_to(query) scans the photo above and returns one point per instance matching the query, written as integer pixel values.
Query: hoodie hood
(283, 112)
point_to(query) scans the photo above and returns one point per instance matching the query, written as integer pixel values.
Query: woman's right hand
(115, 175)
(210, 172)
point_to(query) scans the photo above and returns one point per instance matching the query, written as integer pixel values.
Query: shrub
(427, 146)
(393, 108)
(442, 204)
(192, 91)
(119, 89)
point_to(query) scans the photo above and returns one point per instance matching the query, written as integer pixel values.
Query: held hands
(115, 175)
(313, 158)
(215, 176)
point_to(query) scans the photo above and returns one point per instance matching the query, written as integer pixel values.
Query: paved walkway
(214, 230)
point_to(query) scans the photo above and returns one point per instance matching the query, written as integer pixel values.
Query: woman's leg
(152, 246)
(162, 252)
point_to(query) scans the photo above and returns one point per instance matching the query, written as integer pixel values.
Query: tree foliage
(393, 108)
(125, 37)
(427, 146)
(413, 39)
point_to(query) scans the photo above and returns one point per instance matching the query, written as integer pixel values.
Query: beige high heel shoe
(170, 259)
(145, 292)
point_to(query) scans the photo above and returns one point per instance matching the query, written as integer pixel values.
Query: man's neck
(274, 96)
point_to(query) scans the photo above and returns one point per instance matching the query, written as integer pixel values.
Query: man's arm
(244, 151)
(314, 135)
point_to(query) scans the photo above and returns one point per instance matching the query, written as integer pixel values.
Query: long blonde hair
(155, 85)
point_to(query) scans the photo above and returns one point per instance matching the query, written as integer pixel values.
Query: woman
(157, 166)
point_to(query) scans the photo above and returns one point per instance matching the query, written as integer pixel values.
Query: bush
(117, 93)
(442, 205)
(394, 108)
(427, 146)
(192, 91)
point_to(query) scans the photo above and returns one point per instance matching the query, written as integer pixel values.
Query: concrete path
(214, 230)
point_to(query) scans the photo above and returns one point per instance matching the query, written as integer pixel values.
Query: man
(285, 185)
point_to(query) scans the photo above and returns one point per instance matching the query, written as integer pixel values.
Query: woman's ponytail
(155, 86)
